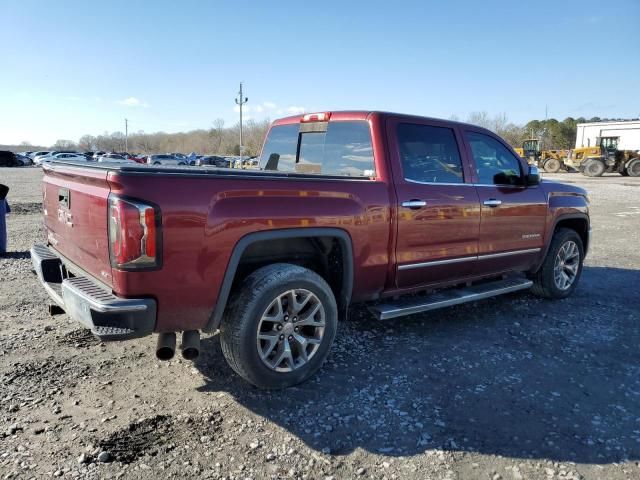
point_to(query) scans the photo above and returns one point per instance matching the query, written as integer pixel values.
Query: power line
(240, 101)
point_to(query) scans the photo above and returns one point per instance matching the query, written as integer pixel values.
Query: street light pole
(240, 101)
(126, 135)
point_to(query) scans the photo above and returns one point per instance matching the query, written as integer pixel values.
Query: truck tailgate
(75, 201)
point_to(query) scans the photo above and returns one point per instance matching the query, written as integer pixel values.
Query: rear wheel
(633, 169)
(593, 167)
(279, 327)
(552, 165)
(559, 274)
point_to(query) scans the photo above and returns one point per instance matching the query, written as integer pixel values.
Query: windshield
(530, 145)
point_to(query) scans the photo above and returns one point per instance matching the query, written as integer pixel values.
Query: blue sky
(74, 67)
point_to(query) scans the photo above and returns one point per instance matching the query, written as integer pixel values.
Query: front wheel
(593, 167)
(279, 326)
(559, 274)
(552, 165)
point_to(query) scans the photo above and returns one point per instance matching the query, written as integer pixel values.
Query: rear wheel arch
(237, 266)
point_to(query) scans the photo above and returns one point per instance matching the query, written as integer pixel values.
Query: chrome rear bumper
(91, 304)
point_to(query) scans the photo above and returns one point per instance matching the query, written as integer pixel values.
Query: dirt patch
(26, 382)
(82, 338)
(146, 437)
(26, 208)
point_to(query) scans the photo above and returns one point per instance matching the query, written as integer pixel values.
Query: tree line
(553, 134)
(219, 139)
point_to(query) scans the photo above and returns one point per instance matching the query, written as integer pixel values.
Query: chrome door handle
(492, 202)
(414, 204)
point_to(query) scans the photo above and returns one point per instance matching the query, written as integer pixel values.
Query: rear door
(75, 215)
(438, 208)
(513, 215)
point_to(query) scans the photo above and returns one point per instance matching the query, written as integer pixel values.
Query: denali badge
(530, 235)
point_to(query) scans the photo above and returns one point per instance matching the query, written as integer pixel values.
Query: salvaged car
(401, 212)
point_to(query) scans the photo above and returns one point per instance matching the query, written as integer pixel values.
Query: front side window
(342, 149)
(495, 164)
(429, 154)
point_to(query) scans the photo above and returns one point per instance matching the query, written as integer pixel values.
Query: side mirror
(533, 176)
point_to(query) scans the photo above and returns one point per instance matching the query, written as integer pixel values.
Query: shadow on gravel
(15, 255)
(515, 376)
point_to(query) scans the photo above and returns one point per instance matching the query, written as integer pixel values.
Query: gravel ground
(509, 388)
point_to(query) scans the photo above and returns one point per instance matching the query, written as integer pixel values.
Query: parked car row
(28, 158)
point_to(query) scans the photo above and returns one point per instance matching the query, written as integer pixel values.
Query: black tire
(156, 163)
(593, 167)
(239, 327)
(544, 284)
(552, 165)
(633, 169)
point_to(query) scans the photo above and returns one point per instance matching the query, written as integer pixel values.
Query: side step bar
(447, 298)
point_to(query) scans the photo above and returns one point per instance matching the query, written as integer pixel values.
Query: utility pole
(126, 135)
(240, 101)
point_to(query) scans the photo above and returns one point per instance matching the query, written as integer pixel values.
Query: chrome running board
(449, 297)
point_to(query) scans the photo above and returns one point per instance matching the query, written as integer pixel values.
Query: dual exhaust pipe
(166, 347)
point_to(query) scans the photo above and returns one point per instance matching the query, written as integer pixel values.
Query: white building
(627, 132)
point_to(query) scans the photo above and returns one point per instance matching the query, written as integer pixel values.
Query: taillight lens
(134, 234)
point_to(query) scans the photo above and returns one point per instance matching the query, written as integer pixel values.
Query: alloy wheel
(291, 330)
(567, 263)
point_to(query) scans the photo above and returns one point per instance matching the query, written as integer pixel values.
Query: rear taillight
(134, 234)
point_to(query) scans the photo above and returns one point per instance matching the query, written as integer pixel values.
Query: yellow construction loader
(604, 158)
(549, 160)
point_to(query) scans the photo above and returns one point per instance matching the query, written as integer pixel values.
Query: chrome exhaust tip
(166, 346)
(190, 344)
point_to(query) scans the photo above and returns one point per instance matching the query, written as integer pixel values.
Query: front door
(513, 215)
(438, 206)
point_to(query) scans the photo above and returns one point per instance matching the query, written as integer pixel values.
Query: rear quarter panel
(203, 218)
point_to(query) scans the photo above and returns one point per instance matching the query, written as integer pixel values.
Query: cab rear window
(334, 148)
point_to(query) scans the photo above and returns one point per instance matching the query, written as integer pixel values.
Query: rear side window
(429, 154)
(279, 151)
(342, 149)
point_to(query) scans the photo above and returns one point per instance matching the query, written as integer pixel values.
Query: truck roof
(345, 115)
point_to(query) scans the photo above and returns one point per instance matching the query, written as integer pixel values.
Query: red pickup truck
(346, 207)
